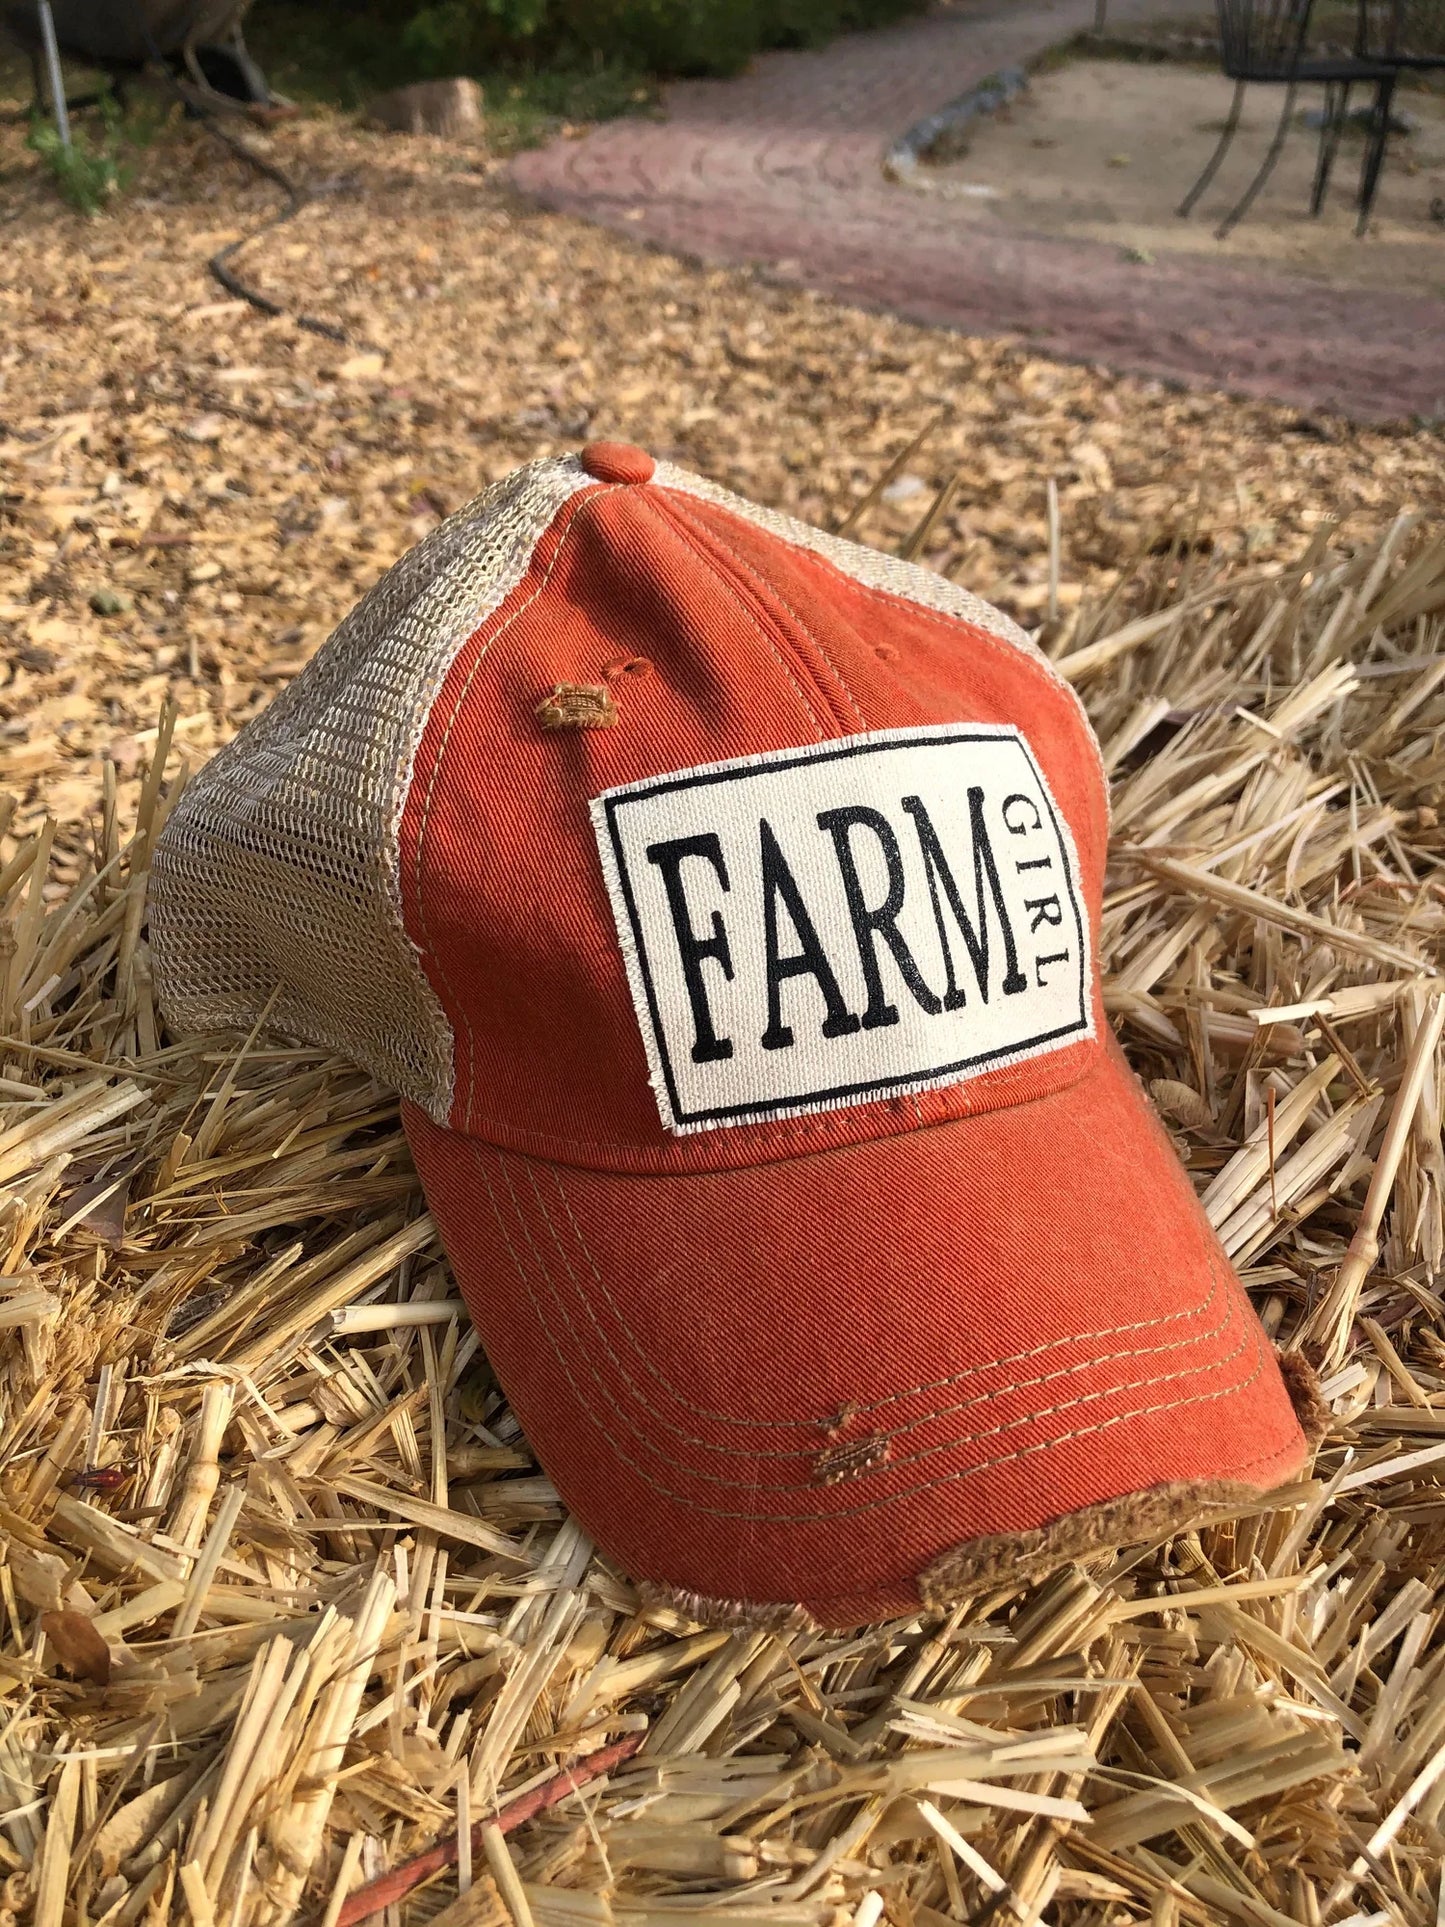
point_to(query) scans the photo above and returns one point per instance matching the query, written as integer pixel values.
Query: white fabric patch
(818, 927)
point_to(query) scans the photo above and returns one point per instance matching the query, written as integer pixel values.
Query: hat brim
(851, 1381)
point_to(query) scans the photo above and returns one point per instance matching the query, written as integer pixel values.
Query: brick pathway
(782, 168)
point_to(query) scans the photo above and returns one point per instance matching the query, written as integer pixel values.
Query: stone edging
(943, 135)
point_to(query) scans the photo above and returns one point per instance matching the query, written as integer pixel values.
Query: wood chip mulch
(191, 494)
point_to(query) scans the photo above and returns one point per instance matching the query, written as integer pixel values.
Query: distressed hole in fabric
(841, 1419)
(850, 1461)
(636, 667)
(578, 705)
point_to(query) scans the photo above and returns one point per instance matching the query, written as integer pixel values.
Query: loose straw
(394, 1886)
(1329, 1327)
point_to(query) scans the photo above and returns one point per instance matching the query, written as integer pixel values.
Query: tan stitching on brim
(809, 1518)
(588, 1362)
(884, 1435)
(860, 1408)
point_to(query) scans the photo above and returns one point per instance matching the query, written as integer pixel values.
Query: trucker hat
(723, 899)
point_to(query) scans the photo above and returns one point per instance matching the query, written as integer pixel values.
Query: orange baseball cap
(723, 898)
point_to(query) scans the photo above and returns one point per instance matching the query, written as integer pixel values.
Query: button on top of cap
(617, 462)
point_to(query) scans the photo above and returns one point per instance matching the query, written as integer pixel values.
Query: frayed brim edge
(975, 1564)
(1156, 1513)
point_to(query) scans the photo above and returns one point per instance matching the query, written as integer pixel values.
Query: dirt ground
(1105, 150)
(192, 494)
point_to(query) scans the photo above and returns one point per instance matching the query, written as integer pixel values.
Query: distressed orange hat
(723, 899)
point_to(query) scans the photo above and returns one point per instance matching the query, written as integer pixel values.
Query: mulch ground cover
(294, 1626)
(192, 494)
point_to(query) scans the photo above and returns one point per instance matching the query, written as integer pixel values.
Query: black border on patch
(769, 764)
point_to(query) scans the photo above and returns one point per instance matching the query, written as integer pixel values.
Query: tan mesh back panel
(279, 865)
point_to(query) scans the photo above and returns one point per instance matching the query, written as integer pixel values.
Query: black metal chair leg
(1238, 212)
(1375, 152)
(1186, 206)
(1337, 113)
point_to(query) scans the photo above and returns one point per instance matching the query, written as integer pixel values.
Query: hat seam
(1041, 666)
(862, 1410)
(799, 1125)
(912, 1097)
(836, 550)
(937, 1415)
(581, 500)
(1019, 644)
(832, 1517)
(772, 589)
(730, 589)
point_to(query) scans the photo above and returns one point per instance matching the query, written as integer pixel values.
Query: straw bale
(289, 1602)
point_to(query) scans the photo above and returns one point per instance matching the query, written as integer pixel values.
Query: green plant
(458, 35)
(89, 175)
(342, 47)
(808, 23)
(669, 36)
